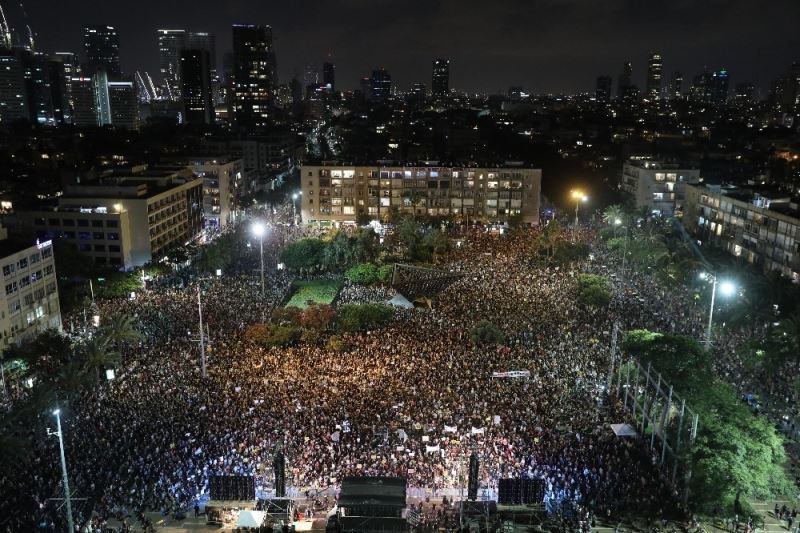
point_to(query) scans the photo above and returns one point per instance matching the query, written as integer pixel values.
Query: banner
(450, 429)
(512, 374)
(478, 431)
(432, 449)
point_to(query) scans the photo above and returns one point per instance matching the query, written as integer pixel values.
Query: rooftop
(11, 246)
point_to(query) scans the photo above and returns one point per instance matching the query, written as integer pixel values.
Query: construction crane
(5, 31)
(144, 93)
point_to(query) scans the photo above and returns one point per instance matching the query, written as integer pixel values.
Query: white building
(656, 185)
(30, 297)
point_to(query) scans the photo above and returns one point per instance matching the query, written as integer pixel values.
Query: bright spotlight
(56, 412)
(727, 288)
(258, 229)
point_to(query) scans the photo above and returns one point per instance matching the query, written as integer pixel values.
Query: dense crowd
(413, 399)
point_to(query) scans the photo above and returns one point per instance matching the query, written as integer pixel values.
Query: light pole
(579, 197)
(295, 196)
(202, 333)
(618, 222)
(258, 230)
(70, 524)
(727, 289)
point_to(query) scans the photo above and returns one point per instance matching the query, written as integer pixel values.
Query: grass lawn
(318, 291)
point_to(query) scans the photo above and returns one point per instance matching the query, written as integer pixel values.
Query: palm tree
(97, 354)
(121, 329)
(788, 332)
(613, 213)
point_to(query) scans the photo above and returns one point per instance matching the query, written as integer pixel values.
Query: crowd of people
(413, 399)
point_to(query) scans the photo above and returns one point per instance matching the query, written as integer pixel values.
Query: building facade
(101, 45)
(440, 78)
(344, 194)
(655, 185)
(29, 302)
(762, 228)
(196, 87)
(124, 219)
(253, 75)
(170, 45)
(13, 101)
(654, 74)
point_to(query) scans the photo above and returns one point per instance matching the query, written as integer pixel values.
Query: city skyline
(541, 46)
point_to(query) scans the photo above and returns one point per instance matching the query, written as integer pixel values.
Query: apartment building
(29, 302)
(343, 193)
(125, 218)
(222, 178)
(656, 185)
(758, 225)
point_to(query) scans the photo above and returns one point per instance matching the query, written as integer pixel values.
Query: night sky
(545, 46)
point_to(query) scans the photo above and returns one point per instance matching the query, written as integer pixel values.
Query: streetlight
(70, 524)
(618, 222)
(258, 230)
(579, 197)
(727, 288)
(295, 196)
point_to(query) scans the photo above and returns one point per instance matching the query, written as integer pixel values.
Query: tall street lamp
(259, 230)
(579, 197)
(295, 197)
(618, 223)
(727, 288)
(70, 524)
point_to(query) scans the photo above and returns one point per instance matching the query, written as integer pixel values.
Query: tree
(682, 361)
(549, 236)
(410, 232)
(485, 332)
(98, 355)
(363, 274)
(436, 241)
(594, 290)
(355, 317)
(317, 317)
(120, 329)
(613, 213)
(305, 254)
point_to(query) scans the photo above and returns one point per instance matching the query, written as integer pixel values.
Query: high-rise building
(791, 89)
(59, 90)
(602, 91)
(124, 104)
(380, 85)
(719, 87)
(170, 44)
(101, 45)
(196, 87)
(72, 69)
(329, 76)
(13, 101)
(310, 75)
(677, 86)
(776, 93)
(417, 94)
(440, 78)
(84, 111)
(625, 80)
(38, 91)
(654, 68)
(208, 42)
(253, 75)
(102, 102)
(744, 95)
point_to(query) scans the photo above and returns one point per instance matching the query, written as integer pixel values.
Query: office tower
(253, 75)
(700, 91)
(101, 45)
(102, 102)
(310, 75)
(208, 42)
(59, 90)
(297, 90)
(677, 85)
(417, 94)
(13, 102)
(196, 86)
(380, 85)
(124, 104)
(365, 85)
(38, 91)
(440, 78)
(718, 90)
(72, 69)
(654, 67)
(84, 111)
(170, 45)
(744, 95)
(791, 89)
(602, 90)
(625, 80)
(329, 76)
(776, 94)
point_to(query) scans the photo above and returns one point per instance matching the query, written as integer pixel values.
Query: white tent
(250, 519)
(623, 430)
(400, 301)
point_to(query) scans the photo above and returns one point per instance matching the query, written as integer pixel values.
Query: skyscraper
(102, 102)
(602, 90)
(677, 85)
(329, 76)
(791, 89)
(745, 95)
(72, 69)
(196, 86)
(719, 87)
(124, 104)
(13, 103)
(253, 75)
(624, 81)
(208, 42)
(170, 45)
(440, 79)
(37, 86)
(654, 68)
(380, 85)
(310, 76)
(101, 45)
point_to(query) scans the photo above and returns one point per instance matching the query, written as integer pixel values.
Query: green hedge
(318, 291)
(355, 317)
